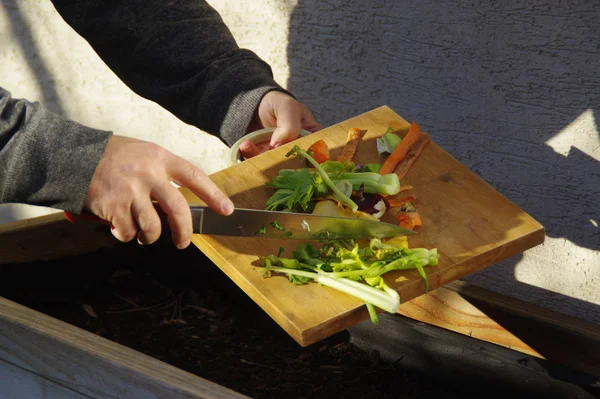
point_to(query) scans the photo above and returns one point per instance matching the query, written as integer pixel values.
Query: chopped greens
(296, 189)
(262, 230)
(388, 142)
(299, 152)
(277, 226)
(344, 266)
(371, 167)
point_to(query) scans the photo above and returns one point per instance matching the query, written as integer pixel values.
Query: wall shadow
(491, 82)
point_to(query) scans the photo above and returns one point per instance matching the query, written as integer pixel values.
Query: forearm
(179, 54)
(45, 159)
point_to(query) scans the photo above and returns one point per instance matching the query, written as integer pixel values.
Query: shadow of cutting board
(472, 225)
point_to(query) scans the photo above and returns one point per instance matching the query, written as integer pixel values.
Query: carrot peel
(413, 135)
(354, 137)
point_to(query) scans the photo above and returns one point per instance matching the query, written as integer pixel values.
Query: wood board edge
(240, 280)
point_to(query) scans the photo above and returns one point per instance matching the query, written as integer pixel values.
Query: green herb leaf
(388, 142)
(371, 167)
(277, 226)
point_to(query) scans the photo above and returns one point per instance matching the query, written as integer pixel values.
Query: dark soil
(178, 307)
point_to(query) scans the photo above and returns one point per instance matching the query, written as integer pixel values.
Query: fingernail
(276, 145)
(246, 146)
(227, 207)
(183, 245)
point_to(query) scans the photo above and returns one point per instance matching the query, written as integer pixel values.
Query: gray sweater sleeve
(45, 159)
(179, 54)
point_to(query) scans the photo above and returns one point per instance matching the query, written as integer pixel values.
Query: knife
(283, 225)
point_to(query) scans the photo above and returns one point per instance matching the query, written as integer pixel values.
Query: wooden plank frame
(49, 354)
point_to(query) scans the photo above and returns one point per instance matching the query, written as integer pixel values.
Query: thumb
(288, 126)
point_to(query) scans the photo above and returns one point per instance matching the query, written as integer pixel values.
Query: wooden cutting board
(471, 224)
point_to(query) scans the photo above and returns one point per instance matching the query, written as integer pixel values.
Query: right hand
(133, 173)
(286, 115)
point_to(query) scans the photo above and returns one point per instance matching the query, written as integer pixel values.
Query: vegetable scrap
(319, 151)
(343, 188)
(388, 142)
(344, 266)
(277, 226)
(300, 190)
(396, 201)
(404, 165)
(409, 220)
(354, 137)
(399, 153)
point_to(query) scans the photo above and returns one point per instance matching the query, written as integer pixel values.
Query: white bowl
(259, 136)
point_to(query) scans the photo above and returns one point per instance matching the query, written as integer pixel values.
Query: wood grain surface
(502, 320)
(471, 224)
(50, 237)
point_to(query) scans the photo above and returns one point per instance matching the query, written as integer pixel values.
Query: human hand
(133, 173)
(287, 115)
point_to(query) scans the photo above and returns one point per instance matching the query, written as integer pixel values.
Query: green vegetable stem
(296, 188)
(326, 179)
(353, 270)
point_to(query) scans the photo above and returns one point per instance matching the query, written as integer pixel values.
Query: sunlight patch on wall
(572, 271)
(582, 133)
(16, 75)
(261, 26)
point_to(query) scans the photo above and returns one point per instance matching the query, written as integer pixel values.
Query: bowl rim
(256, 136)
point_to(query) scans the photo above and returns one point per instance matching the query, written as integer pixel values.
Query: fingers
(289, 117)
(309, 122)
(178, 212)
(147, 220)
(186, 174)
(248, 149)
(124, 227)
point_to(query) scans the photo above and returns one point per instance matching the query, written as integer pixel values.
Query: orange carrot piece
(405, 221)
(396, 201)
(415, 218)
(413, 135)
(354, 137)
(319, 151)
(414, 152)
(406, 188)
(409, 220)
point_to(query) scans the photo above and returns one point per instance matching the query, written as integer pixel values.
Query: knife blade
(274, 224)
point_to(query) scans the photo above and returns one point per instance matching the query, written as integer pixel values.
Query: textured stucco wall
(510, 90)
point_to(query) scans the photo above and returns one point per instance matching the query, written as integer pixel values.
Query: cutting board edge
(240, 280)
(341, 322)
(359, 313)
(493, 256)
